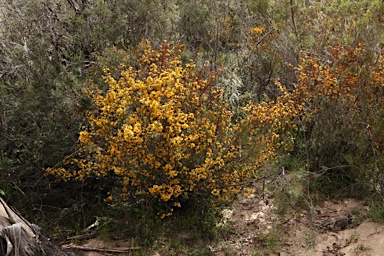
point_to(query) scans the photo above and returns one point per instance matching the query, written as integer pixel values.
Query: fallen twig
(112, 250)
(84, 236)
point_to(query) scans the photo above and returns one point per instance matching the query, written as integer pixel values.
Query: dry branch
(111, 250)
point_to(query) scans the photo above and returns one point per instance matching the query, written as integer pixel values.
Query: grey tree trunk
(18, 237)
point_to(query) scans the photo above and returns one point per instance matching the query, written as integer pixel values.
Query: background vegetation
(289, 90)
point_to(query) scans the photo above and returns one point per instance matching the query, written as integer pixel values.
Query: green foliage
(259, 6)
(47, 50)
(337, 183)
(186, 233)
(38, 91)
(267, 244)
(377, 210)
(146, 228)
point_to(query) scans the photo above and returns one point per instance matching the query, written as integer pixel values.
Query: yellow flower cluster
(257, 30)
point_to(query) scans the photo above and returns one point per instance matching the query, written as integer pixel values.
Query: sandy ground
(333, 228)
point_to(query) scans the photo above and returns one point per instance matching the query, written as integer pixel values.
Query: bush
(341, 124)
(163, 132)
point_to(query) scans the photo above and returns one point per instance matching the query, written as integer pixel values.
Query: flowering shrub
(333, 116)
(341, 121)
(164, 129)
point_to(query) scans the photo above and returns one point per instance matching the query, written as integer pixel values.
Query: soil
(336, 227)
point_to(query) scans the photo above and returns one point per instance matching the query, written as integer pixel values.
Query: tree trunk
(18, 237)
